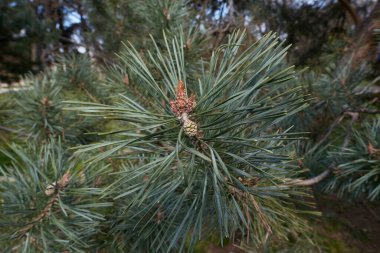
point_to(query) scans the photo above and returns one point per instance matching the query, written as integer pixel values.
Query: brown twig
(61, 184)
(336, 122)
(232, 11)
(88, 93)
(45, 212)
(327, 134)
(311, 181)
(346, 5)
(354, 117)
(219, 29)
(364, 110)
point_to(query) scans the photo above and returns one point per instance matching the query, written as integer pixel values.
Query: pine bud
(50, 189)
(126, 80)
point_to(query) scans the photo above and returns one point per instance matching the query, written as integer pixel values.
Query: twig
(354, 117)
(248, 221)
(39, 217)
(88, 94)
(232, 11)
(219, 29)
(33, 240)
(324, 174)
(364, 110)
(311, 181)
(61, 184)
(332, 127)
(327, 134)
(347, 6)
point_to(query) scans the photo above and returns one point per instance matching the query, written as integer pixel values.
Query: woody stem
(184, 117)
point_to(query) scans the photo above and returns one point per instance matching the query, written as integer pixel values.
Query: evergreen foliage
(78, 74)
(357, 174)
(17, 19)
(175, 141)
(230, 176)
(39, 114)
(47, 201)
(344, 149)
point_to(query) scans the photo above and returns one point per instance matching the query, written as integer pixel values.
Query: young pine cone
(190, 128)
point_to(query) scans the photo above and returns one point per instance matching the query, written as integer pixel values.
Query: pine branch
(61, 184)
(354, 117)
(363, 110)
(346, 5)
(192, 149)
(358, 167)
(63, 212)
(327, 134)
(332, 167)
(45, 212)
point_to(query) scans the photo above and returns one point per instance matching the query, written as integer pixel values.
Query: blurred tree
(308, 25)
(20, 30)
(33, 32)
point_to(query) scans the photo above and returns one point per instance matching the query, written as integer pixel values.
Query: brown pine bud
(50, 189)
(166, 14)
(46, 102)
(126, 80)
(370, 148)
(64, 181)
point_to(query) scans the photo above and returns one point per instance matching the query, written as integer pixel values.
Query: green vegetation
(183, 126)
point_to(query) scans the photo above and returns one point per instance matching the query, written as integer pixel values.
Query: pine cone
(190, 128)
